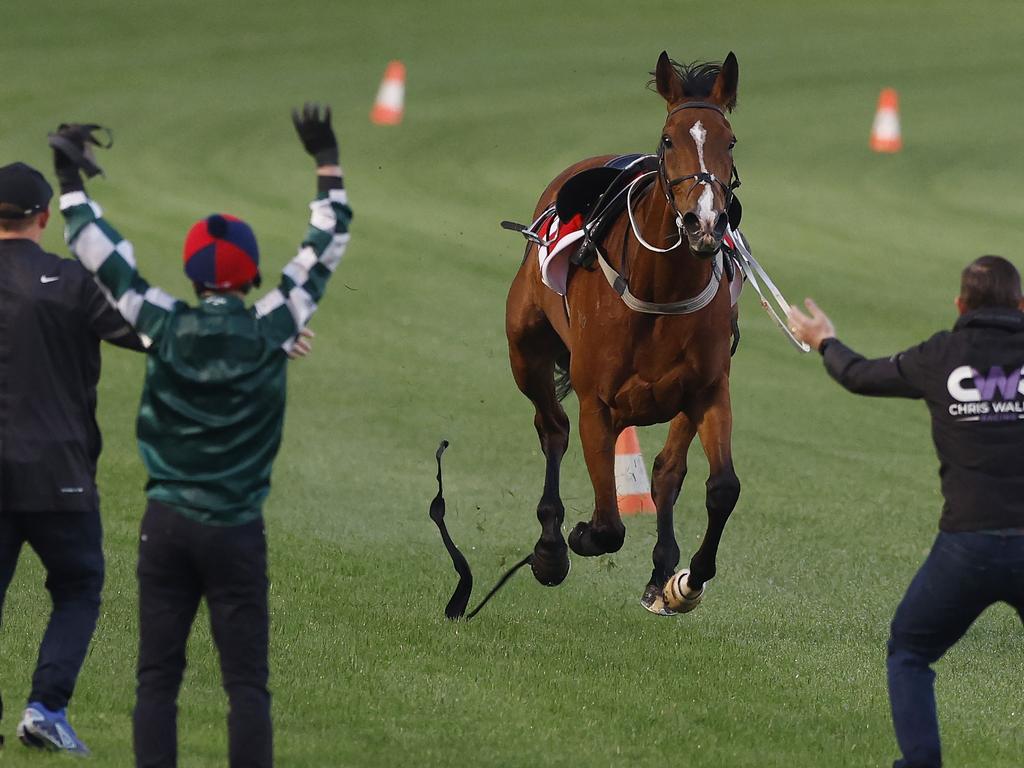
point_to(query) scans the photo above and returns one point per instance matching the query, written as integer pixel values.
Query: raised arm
(284, 312)
(880, 377)
(107, 255)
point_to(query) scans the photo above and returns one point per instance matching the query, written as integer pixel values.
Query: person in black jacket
(972, 379)
(52, 318)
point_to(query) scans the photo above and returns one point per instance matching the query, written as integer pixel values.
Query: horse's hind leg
(723, 491)
(669, 472)
(533, 349)
(550, 562)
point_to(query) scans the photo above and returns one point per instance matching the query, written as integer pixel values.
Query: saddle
(598, 196)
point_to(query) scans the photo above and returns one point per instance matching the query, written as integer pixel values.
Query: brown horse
(638, 367)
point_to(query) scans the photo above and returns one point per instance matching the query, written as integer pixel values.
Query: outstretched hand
(812, 330)
(313, 124)
(302, 347)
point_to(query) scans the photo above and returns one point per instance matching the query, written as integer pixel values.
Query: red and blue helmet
(221, 253)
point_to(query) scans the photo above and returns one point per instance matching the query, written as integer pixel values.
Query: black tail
(563, 384)
(456, 607)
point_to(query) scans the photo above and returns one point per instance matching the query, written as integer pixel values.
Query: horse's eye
(666, 141)
(732, 143)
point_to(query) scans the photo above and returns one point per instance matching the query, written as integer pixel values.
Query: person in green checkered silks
(209, 427)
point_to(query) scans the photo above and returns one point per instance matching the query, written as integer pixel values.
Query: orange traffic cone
(631, 483)
(390, 103)
(885, 132)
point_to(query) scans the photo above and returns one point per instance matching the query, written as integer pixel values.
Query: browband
(697, 105)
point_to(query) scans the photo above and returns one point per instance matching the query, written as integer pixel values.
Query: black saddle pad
(581, 192)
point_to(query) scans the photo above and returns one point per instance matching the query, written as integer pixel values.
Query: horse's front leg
(669, 472)
(684, 590)
(605, 531)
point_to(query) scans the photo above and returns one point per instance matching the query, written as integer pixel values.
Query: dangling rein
(456, 608)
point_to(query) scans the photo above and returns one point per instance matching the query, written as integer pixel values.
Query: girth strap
(684, 307)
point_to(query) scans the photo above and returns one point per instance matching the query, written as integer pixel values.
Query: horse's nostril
(720, 224)
(691, 223)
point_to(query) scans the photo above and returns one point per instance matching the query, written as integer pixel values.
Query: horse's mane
(698, 79)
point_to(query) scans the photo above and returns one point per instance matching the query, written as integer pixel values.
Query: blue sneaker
(42, 728)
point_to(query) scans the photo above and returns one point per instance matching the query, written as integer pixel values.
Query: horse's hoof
(589, 541)
(654, 601)
(550, 565)
(678, 595)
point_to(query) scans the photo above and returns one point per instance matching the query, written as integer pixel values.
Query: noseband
(698, 178)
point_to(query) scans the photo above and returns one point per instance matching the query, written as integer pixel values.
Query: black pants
(70, 544)
(180, 562)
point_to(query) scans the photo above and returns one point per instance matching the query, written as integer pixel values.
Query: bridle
(620, 284)
(698, 178)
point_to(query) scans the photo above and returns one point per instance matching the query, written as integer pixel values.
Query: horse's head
(695, 150)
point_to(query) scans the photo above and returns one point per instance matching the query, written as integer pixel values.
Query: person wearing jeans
(209, 427)
(963, 575)
(52, 319)
(972, 379)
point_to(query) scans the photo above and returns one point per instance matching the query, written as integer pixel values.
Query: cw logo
(969, 385)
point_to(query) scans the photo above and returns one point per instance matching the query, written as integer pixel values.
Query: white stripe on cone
(632, 485)
(390, 102)
(885, 130)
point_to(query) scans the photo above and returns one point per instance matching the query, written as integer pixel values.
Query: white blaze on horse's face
(699, 135)
(705, 205)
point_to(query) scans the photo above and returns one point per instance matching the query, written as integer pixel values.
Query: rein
(750, 268)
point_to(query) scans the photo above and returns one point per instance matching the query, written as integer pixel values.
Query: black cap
(25, 188)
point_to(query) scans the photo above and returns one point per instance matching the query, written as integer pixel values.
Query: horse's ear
(667, 80)
(724, 91)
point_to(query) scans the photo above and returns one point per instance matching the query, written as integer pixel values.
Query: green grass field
(783, 665)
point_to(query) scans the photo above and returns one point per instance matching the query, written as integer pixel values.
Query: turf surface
(783, 665)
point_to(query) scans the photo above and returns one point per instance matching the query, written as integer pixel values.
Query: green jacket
(212, 408)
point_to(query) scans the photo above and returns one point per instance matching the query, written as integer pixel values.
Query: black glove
(72, 153)
(67, 169)
(314, 129)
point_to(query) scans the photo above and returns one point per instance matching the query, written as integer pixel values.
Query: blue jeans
(70, 544)
(963, 575)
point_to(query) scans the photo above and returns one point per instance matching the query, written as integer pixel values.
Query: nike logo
(48, 279)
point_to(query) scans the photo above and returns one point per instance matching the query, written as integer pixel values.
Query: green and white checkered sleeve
(283, 312)
(102, 250)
